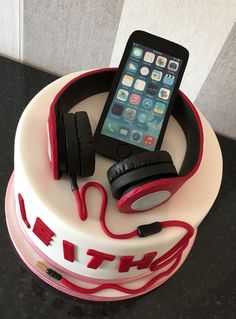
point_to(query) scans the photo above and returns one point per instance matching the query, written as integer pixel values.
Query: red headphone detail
(140, 182)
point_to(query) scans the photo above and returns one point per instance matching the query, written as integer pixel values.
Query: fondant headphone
(139, 182)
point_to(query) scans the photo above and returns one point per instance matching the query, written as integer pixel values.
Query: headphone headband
(98, 81)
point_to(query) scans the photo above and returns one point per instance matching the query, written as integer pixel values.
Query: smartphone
(142, 94)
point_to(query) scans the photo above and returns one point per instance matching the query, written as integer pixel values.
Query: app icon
(136, 136)
(130, 114)
(173, 65)
(137, 53)
(124, 131)
(156, 75)
(150, 116)
(168, 79)
(161, 61)
(151, 89)
(142, 118)
(135, 99)
(117, 109)
(127, 80)
(111, 128)
(139, 85)
(164, 93)
(159, 108)
(154, 127)
(147, 103)
(148, 140)
(144, 71)
(149, 57)
(122, 95)
(132, 67)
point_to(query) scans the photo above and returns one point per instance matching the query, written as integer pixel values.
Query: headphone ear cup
(137, 161)
(72, 147)
(140, 169)
(141, 176)
(86, 144)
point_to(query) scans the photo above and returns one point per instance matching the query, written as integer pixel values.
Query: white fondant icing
(150, 200)
(54, 202)
(31, 257)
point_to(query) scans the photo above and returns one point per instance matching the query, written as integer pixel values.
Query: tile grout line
(21, 29)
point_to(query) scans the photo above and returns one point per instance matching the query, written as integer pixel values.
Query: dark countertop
(204, 287)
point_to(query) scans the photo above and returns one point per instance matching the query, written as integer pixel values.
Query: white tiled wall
(206, 29)
(60, 36)
(10, 28)
(201, 26)
(217, 97)
(63, 36)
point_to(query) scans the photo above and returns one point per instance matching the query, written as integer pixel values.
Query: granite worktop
(204, 287)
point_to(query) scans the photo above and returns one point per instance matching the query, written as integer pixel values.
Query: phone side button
(124, 150)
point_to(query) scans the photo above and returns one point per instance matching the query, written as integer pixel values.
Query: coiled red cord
(80, 197)
(139, 290)
(175, 253)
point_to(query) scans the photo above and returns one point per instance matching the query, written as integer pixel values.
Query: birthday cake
(104, 254)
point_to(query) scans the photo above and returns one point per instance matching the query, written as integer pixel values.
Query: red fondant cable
(80, 197)
(181, 245)
(117, 287)
(175, 253)
(130, 291)
(80, 205)
(102, 210)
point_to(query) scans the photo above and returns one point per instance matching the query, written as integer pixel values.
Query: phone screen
(141, 100)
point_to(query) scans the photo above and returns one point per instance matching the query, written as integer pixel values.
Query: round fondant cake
(77, 256)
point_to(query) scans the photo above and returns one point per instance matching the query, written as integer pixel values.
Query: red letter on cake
(68, 249)
(42, 231)
(23, 211)
(127, 261)
(98, 258)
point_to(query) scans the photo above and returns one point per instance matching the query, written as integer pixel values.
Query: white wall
(10, 28)
(62, 36)
(199, 25)
(217, 97)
